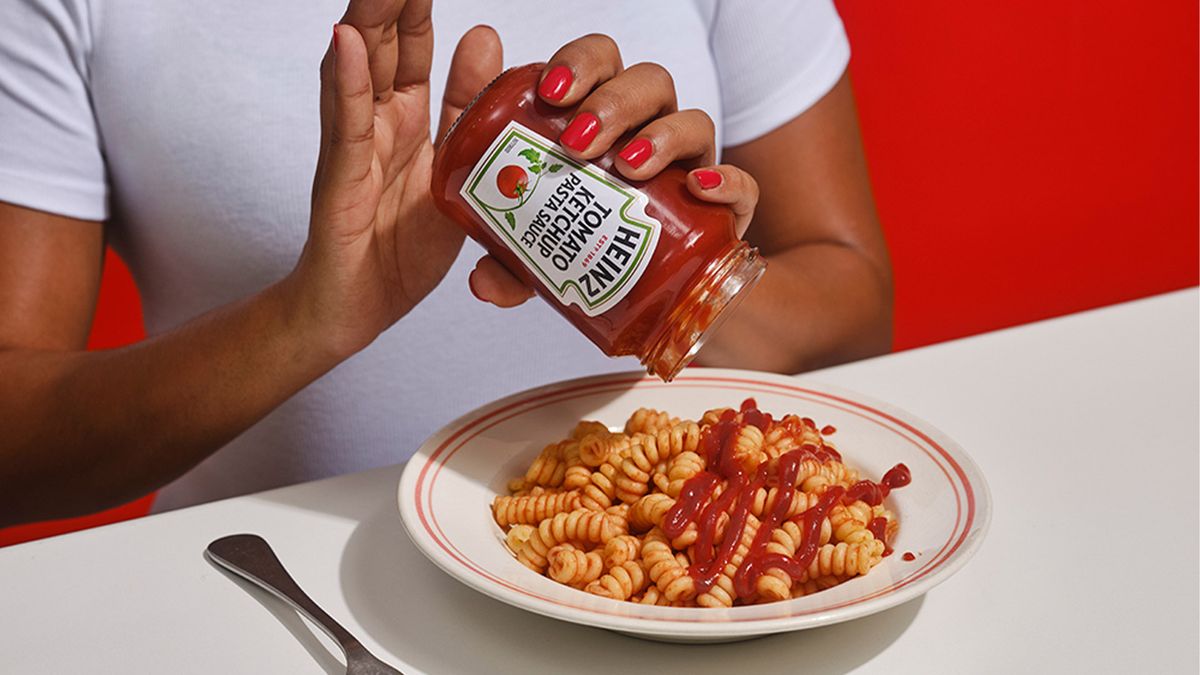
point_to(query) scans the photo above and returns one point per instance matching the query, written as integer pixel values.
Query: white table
(1085, 426)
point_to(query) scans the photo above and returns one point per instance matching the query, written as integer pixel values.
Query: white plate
(448, 486)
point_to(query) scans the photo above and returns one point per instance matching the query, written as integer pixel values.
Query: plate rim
(973, 533)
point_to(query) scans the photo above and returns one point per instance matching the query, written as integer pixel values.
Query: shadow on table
(305, 634)
(383, 575)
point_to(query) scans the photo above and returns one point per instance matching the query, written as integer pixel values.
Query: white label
(583, 231)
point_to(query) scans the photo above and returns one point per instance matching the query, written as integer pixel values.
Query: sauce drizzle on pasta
(717, 442)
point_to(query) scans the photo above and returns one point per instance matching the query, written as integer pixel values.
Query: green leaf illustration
(535, 168)
(530, 154)
(554, 168)
(512, 220)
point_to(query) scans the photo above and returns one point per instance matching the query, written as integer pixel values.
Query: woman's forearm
(818, 305)
(87, 430)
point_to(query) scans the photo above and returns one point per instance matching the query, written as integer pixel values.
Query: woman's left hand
(615, 101)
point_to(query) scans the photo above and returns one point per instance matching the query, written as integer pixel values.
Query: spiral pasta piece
(671, 578)
(682, 467)
(849, 522)
(846, 560)
(619, 515)
(585, 427)
(632, 481)
(830, 473)
(776, 584)
(711, 417)
(648, 511)
(810, 586)
(532, 509)
(549, 469)
(747, 447)
(621, 549)
(595, 448)
(601, 489)
(678, 438)
(796, 532)
(692, 532)
(620, 583)
(721, 594)
(652, 596)
(576, 474)
(517, 537)
(648, 421)
(571, 566)
(764, 502)
(580, 525)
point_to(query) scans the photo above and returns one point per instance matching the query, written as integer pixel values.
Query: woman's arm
(86, 430)
(827, 295)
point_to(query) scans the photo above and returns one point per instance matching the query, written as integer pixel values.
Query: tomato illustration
(512, 181)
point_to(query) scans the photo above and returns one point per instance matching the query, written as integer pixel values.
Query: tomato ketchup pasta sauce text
(737, 508)
(641, 268)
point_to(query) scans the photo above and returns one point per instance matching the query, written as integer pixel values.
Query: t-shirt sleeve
(50, 156)
(774, 61)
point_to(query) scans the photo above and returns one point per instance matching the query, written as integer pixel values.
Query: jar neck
(711, 300)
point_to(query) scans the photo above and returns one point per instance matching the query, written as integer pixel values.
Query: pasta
(737, 508)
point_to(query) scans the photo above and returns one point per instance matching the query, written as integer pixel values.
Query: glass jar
(641, 268)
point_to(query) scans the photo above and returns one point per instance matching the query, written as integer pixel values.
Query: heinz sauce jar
(639, 267)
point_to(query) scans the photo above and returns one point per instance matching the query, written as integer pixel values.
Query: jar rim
(720, 290)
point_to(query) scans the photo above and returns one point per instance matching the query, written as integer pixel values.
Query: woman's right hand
(376, 244)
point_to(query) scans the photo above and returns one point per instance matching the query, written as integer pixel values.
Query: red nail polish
(471, 285)
(556, 83)
(637, 152)
(335, 37)
(580, 132)
(708, 178)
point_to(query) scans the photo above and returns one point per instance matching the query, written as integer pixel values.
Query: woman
(302, 342)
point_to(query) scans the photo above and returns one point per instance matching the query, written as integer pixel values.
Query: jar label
(580, 229)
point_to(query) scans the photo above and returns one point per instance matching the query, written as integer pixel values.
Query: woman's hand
(376, 244)
(615, 101)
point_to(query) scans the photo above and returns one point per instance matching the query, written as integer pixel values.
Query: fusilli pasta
(737, 508)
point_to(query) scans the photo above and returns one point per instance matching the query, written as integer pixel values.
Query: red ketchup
(713, 555)
(641, 268)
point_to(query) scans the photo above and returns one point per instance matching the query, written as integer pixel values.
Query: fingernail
(580, 132)
(471, 285)
(707, 178)
(335, 37)
(637, 152)
(556, 83)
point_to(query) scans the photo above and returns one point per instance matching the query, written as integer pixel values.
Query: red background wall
(1030, 159)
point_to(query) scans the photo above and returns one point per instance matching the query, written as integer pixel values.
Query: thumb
(477, 61)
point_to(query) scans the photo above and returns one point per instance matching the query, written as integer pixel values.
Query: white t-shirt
(192, 128)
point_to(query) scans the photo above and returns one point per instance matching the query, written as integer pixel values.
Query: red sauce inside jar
(696, 272)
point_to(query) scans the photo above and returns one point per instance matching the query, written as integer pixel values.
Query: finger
(349, 146)
(726, 184)
(688, 135)
(414, 29)
(376, 21)
(491, 282)
(622, 103)
(577, 67)
(477, 60)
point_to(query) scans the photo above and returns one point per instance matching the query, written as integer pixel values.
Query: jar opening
(711, 301)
